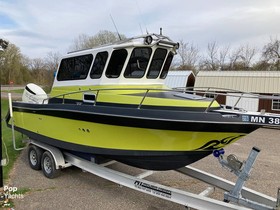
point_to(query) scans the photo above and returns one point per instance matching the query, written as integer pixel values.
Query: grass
(12, 154)
(22, 191)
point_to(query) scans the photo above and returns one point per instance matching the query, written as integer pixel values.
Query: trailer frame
(239, 196)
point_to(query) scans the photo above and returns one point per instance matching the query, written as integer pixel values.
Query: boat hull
(151, 160)
(148, 141)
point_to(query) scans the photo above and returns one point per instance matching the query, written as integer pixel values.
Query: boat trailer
(236, 196)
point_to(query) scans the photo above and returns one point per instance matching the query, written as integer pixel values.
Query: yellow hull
(119, 137)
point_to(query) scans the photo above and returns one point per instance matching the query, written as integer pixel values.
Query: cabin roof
(131, 42)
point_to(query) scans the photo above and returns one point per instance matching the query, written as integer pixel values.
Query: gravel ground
(15, 96)
(75, 189)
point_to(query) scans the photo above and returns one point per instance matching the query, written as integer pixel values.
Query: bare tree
(211, 61)
(189, 56)
(52, 61)
(102, 37)
(271, 53)
(212, 51)
(223, 54)
(248, 53)
(38, 69)
(81, 42)
(236, 59)
(261, 65)
(51, 65)
(105, 37)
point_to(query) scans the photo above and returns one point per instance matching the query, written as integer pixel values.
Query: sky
(38, 27)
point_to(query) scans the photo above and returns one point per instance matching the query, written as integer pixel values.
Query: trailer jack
(242, 170)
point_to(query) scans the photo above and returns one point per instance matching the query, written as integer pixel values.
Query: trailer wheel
(48, 165)
(34, 157)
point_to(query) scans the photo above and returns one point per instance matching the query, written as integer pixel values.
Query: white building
(259, 82)
(181, 78)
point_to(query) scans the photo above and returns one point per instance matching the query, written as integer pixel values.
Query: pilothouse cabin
(139, 61)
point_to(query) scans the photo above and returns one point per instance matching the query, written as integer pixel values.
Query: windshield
(138, 62)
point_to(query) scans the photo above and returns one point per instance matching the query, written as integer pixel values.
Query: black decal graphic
(218, 144)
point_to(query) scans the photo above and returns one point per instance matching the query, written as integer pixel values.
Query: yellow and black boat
(111, 101)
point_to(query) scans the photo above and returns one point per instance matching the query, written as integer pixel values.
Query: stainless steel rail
(211, 93)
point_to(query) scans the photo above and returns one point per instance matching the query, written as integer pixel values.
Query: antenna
(141, 28)
(116, 27)
(141, 16)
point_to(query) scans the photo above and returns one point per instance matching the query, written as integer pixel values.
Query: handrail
(96, 96)
(210, 91)
(210, 104)
(143, 99)
(238, 100)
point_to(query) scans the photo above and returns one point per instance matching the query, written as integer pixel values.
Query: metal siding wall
(267, 105)
(249, 104)
(240, 83)
(247, 81)
(177, 78)
(267, 83)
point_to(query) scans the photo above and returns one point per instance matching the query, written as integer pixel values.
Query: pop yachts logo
(218, 144)
(7, 194)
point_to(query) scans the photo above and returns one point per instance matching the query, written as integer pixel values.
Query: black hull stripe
(143, 122)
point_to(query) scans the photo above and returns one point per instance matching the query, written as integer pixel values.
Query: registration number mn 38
(261, 119)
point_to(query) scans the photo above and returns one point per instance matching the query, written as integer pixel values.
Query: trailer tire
(48, 165)
(34, 157)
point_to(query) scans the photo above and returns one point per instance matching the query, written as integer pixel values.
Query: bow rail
(190, 93)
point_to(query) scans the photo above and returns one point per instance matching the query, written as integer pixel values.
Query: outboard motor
(34, 94)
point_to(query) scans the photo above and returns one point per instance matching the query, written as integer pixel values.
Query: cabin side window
(116, 63)
(74, 68)
(156, 63)
(98, 65)
(138, 62)
(166, 66)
